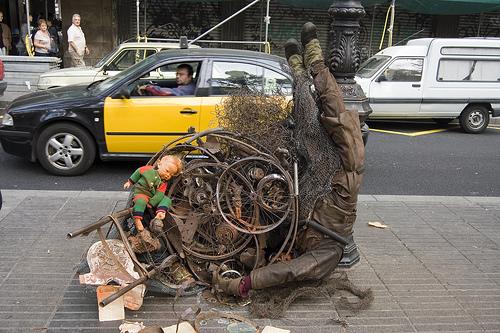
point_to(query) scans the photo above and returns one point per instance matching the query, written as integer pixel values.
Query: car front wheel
(474, 119)
(65, 149)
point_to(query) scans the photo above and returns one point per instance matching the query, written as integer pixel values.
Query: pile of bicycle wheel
(234, 206)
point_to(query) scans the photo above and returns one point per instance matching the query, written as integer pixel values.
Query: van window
(404, 70)
(468, 70)
(482, 51)
(371, 66)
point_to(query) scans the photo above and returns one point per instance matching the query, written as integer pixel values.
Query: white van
(436, 78)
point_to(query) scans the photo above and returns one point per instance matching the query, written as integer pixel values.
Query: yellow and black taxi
(66, 128)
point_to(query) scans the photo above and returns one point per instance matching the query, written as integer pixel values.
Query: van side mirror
(105, 69)
(123, 93)
(381, 78)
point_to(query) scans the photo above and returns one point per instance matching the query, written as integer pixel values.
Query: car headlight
(7, 120)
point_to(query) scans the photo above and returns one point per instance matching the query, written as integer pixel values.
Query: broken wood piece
(377, 225)
(114, 310)
(134, 298)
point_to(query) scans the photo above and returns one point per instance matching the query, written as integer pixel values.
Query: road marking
(410, 134)
(497, 128)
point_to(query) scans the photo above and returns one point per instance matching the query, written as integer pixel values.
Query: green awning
(435, 7)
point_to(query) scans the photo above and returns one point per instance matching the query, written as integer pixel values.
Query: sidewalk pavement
(435, 268)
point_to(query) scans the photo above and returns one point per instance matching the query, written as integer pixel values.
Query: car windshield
(371, 66)
(108, 83)
(106, 58)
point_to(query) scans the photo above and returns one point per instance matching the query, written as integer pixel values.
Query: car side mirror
(381, 78)
(123, 93)
(105, 69)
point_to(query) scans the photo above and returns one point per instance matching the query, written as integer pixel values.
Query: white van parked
(436, 78)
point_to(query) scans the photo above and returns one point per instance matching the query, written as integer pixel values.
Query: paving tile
(434, 269)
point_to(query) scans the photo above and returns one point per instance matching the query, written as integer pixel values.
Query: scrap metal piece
(104, 269)
(171, 229)
(188, 227)
(205, 316)
(165, 263)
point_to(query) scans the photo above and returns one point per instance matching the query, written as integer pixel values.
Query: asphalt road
(444, 163)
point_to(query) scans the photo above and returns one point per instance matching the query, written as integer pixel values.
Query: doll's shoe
(156, 226)
(143, 242)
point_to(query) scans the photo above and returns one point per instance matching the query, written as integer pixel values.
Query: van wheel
(474, 119)
(65, 150)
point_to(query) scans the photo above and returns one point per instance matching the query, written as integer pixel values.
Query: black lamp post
(344, 59)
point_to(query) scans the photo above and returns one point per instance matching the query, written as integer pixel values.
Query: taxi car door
(227, 76)
(144, 124)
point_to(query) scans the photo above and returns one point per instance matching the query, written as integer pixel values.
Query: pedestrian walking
(77, 45)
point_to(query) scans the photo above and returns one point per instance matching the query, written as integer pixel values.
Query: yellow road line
(410, 134)
(497, 128)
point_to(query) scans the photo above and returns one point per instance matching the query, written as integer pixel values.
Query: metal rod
(267, 19)
(200, 41)
(330, 233)
(167, 262)
(413, 34)
(296, 177)
(137, 3)
(27, 19)
(102, 221)
(391, 27)
(145, 15)
(123, 291)
(224, 21)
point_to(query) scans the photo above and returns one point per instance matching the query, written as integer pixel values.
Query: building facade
(109, 22)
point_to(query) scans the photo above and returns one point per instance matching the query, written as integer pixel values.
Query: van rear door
(397, 91)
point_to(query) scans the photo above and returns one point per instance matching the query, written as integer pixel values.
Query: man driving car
(183, 78)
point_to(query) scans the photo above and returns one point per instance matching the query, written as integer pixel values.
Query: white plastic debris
(131, 327)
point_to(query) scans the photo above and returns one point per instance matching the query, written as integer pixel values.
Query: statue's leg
(294, 56)
(313, 53)
(315, 264)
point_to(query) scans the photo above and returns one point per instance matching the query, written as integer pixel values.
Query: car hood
(72, 71)
(57, 97)
(364, 83)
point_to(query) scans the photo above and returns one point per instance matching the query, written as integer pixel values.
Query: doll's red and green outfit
(149, 189)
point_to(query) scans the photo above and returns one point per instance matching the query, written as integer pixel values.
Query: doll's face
(167, 170)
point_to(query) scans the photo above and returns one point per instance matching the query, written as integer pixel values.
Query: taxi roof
(158, 45)
(216, 52)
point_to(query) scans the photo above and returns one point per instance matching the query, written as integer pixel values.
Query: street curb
(123, 195)
(118, 195)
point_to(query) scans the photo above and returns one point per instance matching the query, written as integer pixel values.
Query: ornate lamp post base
(351, 254)
(344, 59)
